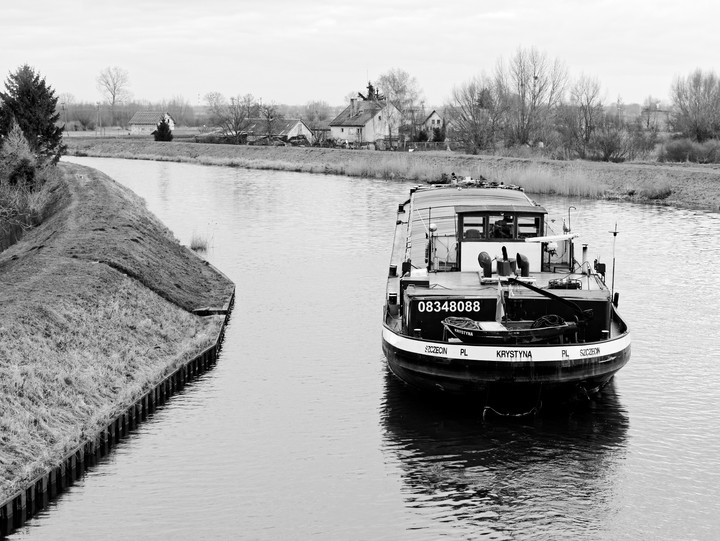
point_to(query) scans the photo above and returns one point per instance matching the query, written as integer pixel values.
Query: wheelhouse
(446, 237)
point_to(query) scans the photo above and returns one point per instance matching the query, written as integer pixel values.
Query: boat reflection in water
(553, 474)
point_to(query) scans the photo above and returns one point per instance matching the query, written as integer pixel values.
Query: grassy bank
(96, 306)
(683, 185)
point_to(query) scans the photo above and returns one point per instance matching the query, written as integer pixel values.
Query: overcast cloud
(292, 52)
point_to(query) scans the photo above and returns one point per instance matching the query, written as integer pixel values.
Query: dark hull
(506, 380)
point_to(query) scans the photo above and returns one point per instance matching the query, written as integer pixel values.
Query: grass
(425, 167)
(658, 192)
(21, 208)
(95, 308)
(698, 187)
(198, 243)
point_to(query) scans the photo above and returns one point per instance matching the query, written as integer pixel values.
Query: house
(280, 128)
(432, 122)
(146, 122)
(366, 121)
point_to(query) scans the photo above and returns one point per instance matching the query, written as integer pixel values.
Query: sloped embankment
(96, 306)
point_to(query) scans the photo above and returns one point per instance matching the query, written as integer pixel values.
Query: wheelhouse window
(474, 228)
(502, 226)
(528, 226)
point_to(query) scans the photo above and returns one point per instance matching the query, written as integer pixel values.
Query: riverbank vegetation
(683, 185)
(30, 146)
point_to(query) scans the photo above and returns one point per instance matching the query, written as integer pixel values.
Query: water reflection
(554, 473)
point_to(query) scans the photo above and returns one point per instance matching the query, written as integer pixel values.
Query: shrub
(163, 131)
(17, 160)
(686, 150)
(655, 193)
(198, 243)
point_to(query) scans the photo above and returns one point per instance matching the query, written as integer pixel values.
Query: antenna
(612, 287)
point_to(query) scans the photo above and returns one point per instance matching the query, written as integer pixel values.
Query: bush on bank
(24, 178)
(687, 150)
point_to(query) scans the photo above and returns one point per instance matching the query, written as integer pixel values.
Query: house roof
(148, 117)
(430, 115)
(363, 112)
(280, 126)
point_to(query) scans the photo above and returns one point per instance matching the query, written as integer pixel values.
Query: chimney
(353, 106)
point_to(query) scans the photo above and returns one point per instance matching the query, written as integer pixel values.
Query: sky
(293, 52)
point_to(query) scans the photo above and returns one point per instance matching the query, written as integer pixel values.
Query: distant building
(366, 121)
(432, 122)
(146, 122)
(280, 128)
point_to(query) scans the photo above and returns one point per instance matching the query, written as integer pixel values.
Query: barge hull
(522, 378)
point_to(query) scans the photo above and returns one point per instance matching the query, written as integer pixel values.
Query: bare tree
(578, 120)
(180, 110)
(316, 111)
(231, 117)
(696, 101)
(113, 84)
(269, 113)
(476, 112)
(650, 113)
(402, 90)
(537, 85)
(66, 101)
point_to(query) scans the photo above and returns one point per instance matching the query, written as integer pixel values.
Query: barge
(483, 299)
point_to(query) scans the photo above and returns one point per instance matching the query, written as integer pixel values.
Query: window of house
(342, 130)
(379, 117)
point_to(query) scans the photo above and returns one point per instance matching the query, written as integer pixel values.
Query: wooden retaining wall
(38, 493)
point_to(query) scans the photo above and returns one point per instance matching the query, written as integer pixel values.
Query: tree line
(528, 100)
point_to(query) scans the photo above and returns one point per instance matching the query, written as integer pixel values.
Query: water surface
(298, 433)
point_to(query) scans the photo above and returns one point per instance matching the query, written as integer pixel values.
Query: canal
(298, 432)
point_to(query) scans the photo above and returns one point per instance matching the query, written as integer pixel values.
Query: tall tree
(113, 83)
(31, 102)
(537, 85)
(696, 101)
(402, 90)
(476, 112)
(578, 120)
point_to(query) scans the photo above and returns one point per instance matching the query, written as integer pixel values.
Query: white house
(146, 122)
(433, 121)
(366, 121)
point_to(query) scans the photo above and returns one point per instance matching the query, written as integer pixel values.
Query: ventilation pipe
(523, 264)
